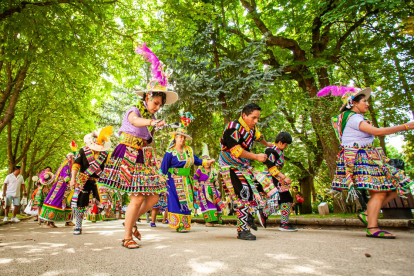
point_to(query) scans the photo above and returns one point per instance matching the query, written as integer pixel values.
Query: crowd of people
(169, 185)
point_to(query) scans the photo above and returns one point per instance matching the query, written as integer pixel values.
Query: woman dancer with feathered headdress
(129, 170)
(359, 164)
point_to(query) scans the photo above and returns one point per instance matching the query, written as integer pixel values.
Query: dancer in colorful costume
(93, 214)
(177, 163)
(238, 176)
(87, 168)
(56, 206)
(208, 198)
(359, 164)
(129, 170)
(274, 163)
(46, 178)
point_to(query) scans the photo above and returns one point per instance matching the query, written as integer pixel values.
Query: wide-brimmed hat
(348, 97)
(186, 119)
(99, 141)
(181, 131)
(155, 86)
(160, 77)
(46, 178)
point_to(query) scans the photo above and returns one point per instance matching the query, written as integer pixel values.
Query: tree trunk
(306, 184)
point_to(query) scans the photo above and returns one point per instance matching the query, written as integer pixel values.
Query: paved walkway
(28, 249)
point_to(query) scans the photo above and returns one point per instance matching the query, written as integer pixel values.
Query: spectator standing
(11, 193)
(296, 205)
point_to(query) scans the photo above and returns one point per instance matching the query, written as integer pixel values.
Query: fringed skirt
(127, 172)
(368, 168)
(162, 202)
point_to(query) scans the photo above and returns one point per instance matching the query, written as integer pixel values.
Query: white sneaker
(15, 220)
(5, 219)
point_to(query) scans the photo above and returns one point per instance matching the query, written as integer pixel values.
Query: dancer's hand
(258, 197)
(288, 180)
(159, 124)
(261, 157)
(211, 161)
(72, 183)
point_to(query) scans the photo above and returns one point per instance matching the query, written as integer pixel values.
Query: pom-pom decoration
(335, 91)
(104, 135)
(186, 118)
(73, 146)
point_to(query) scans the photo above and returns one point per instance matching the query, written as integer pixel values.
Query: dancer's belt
(132, 141)
(180, 171)
(208, 183)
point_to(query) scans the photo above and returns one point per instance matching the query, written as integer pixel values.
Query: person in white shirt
(11, 192)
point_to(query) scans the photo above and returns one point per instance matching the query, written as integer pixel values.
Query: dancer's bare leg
(132, 213)
(154, 213)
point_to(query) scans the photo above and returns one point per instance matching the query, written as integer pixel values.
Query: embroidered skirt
(41, 194)
(55, 207)
(210, 203)
(368, 168)
(162, 202)
(180, 201)
(126, 172)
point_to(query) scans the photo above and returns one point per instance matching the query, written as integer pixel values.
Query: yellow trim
(76, 167)
(131, 141)
(236, 151)
(204, 163)
(274, 171)
(243, 123)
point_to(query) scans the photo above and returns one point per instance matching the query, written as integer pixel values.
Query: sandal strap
(128, 242)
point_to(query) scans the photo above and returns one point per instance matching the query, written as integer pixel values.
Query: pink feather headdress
(156, 65)
(335, 90)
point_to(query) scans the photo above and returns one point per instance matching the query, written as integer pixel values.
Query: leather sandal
(136, 233)
(69, 223)
(130, 244)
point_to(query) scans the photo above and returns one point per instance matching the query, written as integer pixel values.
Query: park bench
(399, 208)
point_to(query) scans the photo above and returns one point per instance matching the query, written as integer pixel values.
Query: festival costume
(180, 181)
(46, 179)
(93, 213)
(208, 196)
(89, 163)
(56, 206)
(359, 164)
(274, 163)
(239, 178)
(132, 167)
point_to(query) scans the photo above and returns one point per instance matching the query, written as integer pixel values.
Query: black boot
(246, 235)
(250, 222)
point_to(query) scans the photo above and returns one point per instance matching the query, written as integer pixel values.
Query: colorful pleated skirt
(55, 207)
(127, 172)
(162, 202)
(368, 168)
